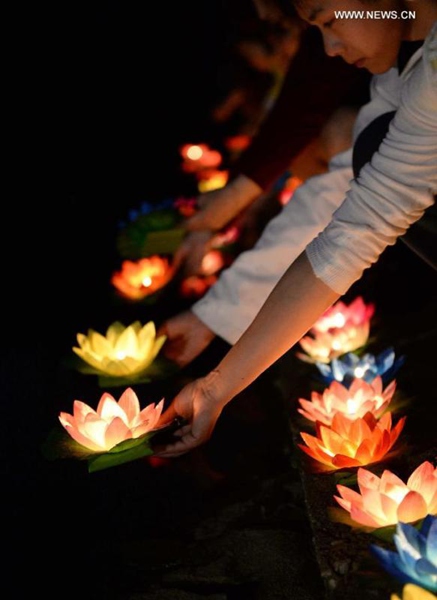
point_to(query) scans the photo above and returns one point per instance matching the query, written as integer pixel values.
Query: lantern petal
(424, 473)
(317, 455)
(130, 404)
(350, 495)
(107, 406)
(412, 508)
(114, 331)
(341, 461)
(364, 518)
(116, 432)
(82, 439)
(98, 343)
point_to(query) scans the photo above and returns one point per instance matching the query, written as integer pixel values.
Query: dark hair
(285, 6)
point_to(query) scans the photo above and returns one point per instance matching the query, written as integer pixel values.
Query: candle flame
(194, 152)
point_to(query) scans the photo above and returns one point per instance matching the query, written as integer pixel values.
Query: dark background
(107, 93)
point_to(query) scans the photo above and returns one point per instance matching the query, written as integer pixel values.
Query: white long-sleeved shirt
(393, 190)
(313, 218)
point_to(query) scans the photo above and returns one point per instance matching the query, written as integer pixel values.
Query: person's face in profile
(372, 44)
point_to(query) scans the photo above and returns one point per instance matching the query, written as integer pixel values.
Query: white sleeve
(392, 191)
(232, 303)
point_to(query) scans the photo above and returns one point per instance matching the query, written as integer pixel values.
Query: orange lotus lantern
(351, 442)
(199, 156)
(112, 422)
(339, 330)
(212, 180)
(138, 279)
(387, 500)
(353, 402)
(238, 143)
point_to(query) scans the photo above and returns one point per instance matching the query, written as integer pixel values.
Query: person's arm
(232, 303)
(219, 207)
(289, 312)
(392, 191)
(302, 295)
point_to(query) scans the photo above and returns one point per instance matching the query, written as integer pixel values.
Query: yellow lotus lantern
(138, 279)
(387, 500)
(342, 328)
(212, 179)
(123, 351)
(112, 422)
(352, 442)
(353, 402)
(413, 592)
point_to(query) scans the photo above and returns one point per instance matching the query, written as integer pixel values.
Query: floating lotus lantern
(416, 558)
(237, 143)
(195, 286)
(138, 279)
(368, 367)
(212, 179)
(413, 592)
(339, 330)
(351, 443)
(212, 262)
(199, 156)
(186, 207)
(355, 402)
(114, 433)
(340, 316)
(154, 228)
(387, 500)
(123, 351)
(227, 237)
(112, 422)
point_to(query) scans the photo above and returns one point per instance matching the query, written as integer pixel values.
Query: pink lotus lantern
(112, 422)
(199, 156)
(387, 500)
(226, 237)
(353, 402)
(212, 262)
(351, 442)
(186, 207)
(339, 330)
(138, 279)
(195, 286)
(341, 316)
(290, 187)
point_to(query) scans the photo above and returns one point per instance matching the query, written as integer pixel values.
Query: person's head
(371, 43)
(276, 11)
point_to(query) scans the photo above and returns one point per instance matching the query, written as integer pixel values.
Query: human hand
(188, 257)
(187, 337)
(200, 408)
